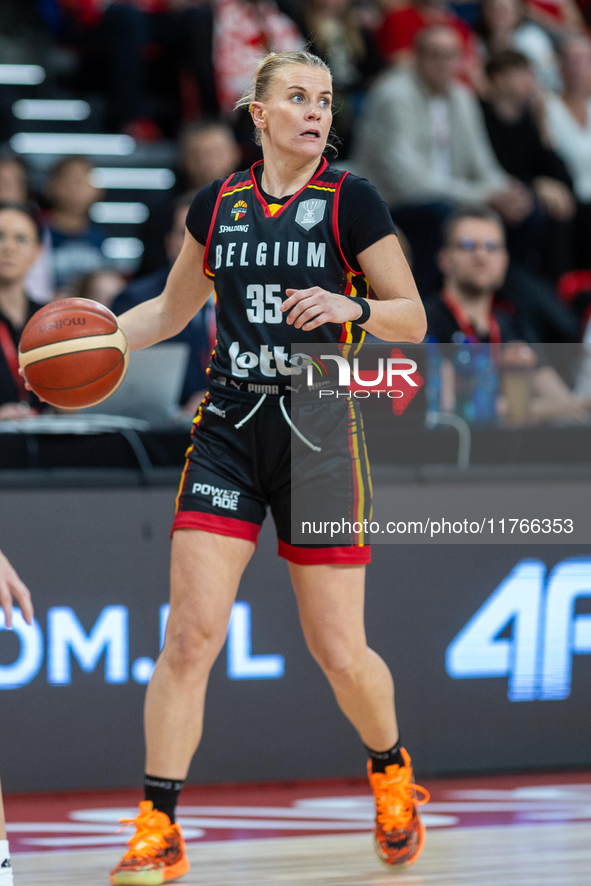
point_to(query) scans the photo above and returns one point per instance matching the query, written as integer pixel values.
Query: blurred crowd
(484, 104)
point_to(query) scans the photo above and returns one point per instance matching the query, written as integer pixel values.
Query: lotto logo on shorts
(220, 498)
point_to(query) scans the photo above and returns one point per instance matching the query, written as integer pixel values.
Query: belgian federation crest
(310, 212)
(239, 210)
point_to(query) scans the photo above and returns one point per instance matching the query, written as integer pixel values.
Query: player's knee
(341, 663)
(192, 646)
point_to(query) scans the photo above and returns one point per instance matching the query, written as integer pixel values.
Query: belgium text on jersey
(263, 253)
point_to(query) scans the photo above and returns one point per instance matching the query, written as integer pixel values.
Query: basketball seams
(111, 391)
(88, 343)
(95, 313)
(34, 323)
(76, 304)
(125, 359)
(85, 384)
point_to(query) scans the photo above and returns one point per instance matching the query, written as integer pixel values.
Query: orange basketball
(73, 353)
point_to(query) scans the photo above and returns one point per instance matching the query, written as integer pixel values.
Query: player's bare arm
(12, 588)
(397, 316)
(186, 291)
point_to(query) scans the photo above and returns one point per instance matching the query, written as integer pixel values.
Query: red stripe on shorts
(218, 525)
(353, 555)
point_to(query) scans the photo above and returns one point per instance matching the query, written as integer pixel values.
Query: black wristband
(363, 303)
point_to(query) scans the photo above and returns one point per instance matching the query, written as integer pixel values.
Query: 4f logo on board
(310, 213)
(239, 210)
(545, 631)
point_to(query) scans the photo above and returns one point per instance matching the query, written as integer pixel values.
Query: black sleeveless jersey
(254, 252)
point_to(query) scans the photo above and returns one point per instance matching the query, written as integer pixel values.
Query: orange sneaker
(156, 851)
(399, 831)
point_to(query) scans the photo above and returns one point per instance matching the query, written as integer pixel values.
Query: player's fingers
(27, 385)
(6, 605)
(316, 322)
(299, 308)
(292, 300)
(309, 314)
(296, 295)
(22, 595)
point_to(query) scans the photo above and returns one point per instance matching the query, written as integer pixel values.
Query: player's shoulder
(355, 183)
(358, 190)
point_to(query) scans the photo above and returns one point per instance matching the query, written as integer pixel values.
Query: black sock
(164, 794)
(379, 760)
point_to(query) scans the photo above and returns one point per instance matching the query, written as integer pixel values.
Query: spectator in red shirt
(559, 17)
(402, 24)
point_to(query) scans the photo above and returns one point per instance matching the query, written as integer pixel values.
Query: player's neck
(283, 176)
(13, 302)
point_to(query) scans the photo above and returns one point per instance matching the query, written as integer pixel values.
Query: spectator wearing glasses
(423, 144)
(474, 262)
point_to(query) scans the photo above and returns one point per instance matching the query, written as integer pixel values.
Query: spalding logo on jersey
(310, 212)
(239, 210)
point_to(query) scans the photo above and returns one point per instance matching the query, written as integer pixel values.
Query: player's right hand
(12, 587)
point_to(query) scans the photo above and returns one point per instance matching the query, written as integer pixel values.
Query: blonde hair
(266, 72)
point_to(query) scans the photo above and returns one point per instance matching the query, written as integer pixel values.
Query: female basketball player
(10, 586)
(284, 244)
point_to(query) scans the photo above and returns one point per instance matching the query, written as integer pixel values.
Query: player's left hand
(309, 308)
(28, 386)
(11, 586)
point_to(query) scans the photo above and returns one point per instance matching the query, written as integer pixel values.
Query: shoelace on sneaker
(147, 840)
(396, 797)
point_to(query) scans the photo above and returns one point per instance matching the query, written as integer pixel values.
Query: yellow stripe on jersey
(320, 188)
(235, 191)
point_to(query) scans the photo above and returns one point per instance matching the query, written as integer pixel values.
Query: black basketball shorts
(246, 455)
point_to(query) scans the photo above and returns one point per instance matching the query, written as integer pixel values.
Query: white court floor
(533, 855)
(488, 831)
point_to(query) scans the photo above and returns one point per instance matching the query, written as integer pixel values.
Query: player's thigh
(206, 569)
(331, 605)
